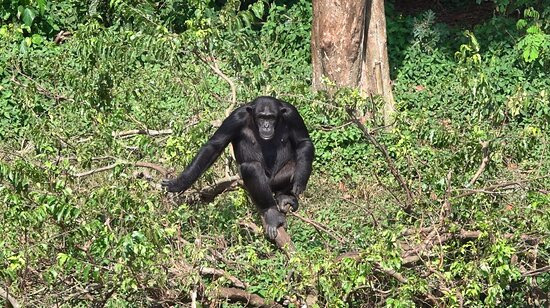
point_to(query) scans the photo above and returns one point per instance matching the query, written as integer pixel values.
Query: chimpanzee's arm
(303, 146)
(207, 155)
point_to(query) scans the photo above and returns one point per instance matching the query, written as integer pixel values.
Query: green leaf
(258, 9)
(37, 39)
(23, 47)
(62, 258)
(521, 24)
(28, 16)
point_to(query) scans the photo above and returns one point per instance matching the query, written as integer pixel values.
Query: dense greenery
(74, 73)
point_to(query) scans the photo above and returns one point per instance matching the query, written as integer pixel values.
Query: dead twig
(6, 295)
(213, 64)
(318, 226)
(194, 298)
(153, 166)
(414, 255)
(182, 268)
(446, 208)
(148, 132)
(39, 88)
(97, 170)
(393, 169)
(484, 161)
(412, 231)
(496, 187)
(536, 272)
(156, 167)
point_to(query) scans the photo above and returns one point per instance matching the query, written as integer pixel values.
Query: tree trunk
(348, 46)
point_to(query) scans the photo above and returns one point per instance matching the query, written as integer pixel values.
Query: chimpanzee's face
(266, 116)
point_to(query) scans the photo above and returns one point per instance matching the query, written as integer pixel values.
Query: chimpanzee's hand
(297, 189)
(172, 185)
(286, 201)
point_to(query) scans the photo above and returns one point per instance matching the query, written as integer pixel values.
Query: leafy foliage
(110, 237)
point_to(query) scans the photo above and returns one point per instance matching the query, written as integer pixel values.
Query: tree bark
(349, 48)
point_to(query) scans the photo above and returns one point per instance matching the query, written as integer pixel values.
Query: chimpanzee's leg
(281, 184)
(257, 184)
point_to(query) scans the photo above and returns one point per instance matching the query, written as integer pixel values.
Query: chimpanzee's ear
(250, 109)
(283, 110)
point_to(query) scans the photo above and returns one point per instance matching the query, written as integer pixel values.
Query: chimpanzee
(274, 153)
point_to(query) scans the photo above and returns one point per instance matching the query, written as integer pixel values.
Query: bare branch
(93, 171)
(393, 169)
(156, 167)
(213, 64)
(497, 187)
(153, 166)
(484, 161)
(208, 193)
(414, 255)
(209, 271)
(148, 132)
(392, 273)
(318, 226)
(536, 272)
(9, 298)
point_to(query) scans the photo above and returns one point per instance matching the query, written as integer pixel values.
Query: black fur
(274, 153)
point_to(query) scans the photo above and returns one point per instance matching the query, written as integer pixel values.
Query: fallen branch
(414, 255)
(208, 193)
(391, 272)
(283, 240)
(9, 298)
(214, 272)
(536, 272)
(411, 256)
(241, 296)
(494, 188)
(182, 269)
(484, 161)
(148, 132)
